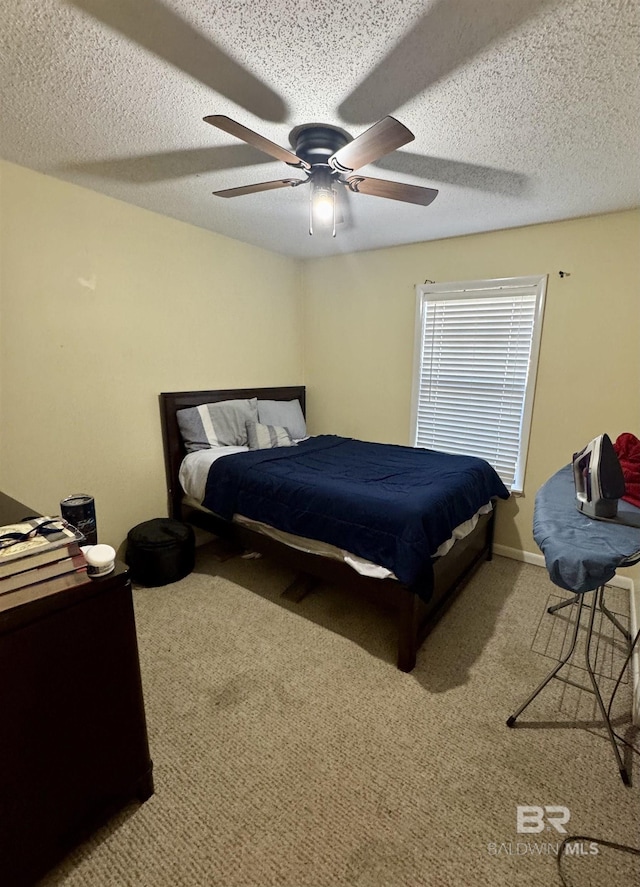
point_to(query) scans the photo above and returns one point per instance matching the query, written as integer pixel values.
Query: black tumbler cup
(80, 511)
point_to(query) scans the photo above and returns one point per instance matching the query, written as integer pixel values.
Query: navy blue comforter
(390, 504)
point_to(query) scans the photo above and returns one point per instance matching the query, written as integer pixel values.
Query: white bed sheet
(193, 479)
(194, 469)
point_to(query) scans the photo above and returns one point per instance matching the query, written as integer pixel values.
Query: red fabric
(627, 449)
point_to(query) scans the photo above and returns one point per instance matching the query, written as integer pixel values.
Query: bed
(429, 584)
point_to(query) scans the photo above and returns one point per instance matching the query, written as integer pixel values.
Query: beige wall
(104, 306)
(359, 334)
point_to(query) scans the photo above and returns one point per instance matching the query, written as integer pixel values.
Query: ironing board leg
(511, 721)
(623, 631)
(598, 598)
(610, 616)
(587, 656)
(556, 607)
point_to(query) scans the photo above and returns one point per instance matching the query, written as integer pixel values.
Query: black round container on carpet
(160, 551)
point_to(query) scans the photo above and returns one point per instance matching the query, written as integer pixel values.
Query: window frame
(468, 289)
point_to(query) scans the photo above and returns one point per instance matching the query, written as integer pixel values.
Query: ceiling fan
(329, 157)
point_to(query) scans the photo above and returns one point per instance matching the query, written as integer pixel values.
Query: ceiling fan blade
(152, 25)
(258, 141)
(383, 137)
(392, 190)
(448, 35)
(260, 186)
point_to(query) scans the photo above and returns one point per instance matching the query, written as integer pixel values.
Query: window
(475, 366)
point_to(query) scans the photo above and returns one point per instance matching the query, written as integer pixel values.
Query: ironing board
(581, 555)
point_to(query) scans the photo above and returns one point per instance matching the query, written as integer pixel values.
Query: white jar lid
(99, 555)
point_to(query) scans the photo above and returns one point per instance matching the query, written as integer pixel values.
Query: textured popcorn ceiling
(523, 111)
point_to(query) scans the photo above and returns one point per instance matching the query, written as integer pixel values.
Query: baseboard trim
(517, 555)
(529, 557)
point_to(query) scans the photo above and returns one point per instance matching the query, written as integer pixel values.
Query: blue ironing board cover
(581, 553)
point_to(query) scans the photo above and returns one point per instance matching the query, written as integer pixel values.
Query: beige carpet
(289, 751)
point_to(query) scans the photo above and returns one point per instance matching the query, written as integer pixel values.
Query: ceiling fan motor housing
(316, 142)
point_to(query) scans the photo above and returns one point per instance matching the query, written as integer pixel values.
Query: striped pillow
(221, 424)
(265, 437)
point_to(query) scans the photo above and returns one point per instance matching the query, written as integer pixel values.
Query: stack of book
(41, 550)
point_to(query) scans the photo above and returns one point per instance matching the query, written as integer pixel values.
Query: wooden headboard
(174, 451)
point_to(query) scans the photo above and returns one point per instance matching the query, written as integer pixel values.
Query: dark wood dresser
(73, 737)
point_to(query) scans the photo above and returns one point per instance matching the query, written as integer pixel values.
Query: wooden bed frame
(415, 617)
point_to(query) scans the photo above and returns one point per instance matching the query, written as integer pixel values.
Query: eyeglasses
(46, 527)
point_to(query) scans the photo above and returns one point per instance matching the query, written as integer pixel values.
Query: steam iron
(599, 479)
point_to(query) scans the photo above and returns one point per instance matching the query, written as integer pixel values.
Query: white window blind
(475, 370)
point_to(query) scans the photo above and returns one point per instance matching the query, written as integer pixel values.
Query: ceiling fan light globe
(322, 206)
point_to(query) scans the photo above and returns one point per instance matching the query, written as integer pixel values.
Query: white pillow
(286, 413)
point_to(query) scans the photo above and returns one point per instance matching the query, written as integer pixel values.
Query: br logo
(532, 819)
